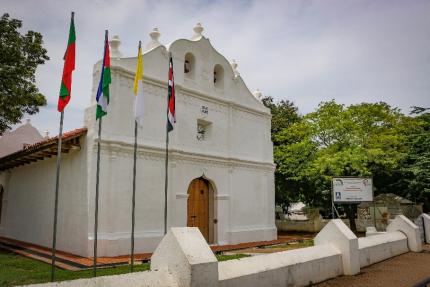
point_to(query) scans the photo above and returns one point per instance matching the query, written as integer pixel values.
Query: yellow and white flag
(138, 102)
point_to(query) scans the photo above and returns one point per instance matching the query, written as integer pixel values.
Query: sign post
(351, 191)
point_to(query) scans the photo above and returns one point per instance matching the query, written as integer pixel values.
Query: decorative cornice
(114, 148)
(189, 92)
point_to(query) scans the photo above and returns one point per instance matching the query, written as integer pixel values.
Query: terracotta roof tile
(42, 149)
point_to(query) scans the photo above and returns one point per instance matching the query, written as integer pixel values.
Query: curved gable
(229, 86)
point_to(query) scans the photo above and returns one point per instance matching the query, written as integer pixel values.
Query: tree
(284, 114)
(412, 178)
(19, 57)
(368, 139)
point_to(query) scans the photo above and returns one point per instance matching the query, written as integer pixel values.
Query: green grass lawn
(294, 245)
(19, 270)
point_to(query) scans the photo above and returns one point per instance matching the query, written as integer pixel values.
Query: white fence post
(340, 236)
(412, 232)
(184, 253)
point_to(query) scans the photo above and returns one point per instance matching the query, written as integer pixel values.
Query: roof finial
(155, 35)
(234, 65)
(114, 44)
(198, 29)
(257, 94)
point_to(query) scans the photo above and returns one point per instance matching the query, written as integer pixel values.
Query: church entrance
(200, 207)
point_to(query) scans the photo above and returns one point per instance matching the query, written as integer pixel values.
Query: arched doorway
(200, 207)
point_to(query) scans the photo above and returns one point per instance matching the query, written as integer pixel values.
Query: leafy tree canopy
(284, 114)
(368, 139)
(412, 178)
(19, 57)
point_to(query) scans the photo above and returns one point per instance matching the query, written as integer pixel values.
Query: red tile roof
(42, 149)
(65, 137)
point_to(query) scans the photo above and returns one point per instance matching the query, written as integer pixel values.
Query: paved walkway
(405, 270)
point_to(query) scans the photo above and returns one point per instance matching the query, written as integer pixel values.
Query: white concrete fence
(184, 259)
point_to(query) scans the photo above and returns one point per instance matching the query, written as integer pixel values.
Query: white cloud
(304, 51)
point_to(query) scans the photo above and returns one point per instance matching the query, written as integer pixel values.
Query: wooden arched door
(198, 206)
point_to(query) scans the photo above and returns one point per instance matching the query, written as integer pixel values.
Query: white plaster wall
(300, 267)
(138, 279)
(29, 211)
(236, 157)
(184, 259)
(116, 190)
(379, 247)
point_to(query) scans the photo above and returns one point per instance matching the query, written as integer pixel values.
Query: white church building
(221, 170)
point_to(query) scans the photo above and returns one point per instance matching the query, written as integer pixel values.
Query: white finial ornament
(258, 95)
(114, 45)
(155, 35)
(198, 29)
(233, 64)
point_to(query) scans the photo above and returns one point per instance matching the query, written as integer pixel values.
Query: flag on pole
(171, 119)
(69, 66)
(138, 103)
(105, 80)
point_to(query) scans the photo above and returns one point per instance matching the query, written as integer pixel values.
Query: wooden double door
(198, 206)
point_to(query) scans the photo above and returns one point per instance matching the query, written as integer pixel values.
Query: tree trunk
(351, 217)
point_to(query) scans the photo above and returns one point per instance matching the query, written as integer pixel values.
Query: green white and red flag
(102, 96)
(69, 66)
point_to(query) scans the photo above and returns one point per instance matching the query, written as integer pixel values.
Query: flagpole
(96, 212)
(57, 184)
(133, 200)
(166, 181)
(166, 174)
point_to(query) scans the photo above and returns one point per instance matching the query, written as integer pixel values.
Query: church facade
(221, 170)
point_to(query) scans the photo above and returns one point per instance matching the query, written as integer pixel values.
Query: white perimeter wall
(183, 258)
(28, 209)
(380, 247)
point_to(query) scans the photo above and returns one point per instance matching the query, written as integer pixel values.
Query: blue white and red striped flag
(171, 118)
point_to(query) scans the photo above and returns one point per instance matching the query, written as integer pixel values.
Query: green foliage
(225, 257)
(292, 245)
(18, 270)
(284, 114)
(412, 178)
(19, 57)
(367, 139)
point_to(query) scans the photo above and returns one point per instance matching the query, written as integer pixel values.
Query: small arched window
(189, 65)
(218, 76)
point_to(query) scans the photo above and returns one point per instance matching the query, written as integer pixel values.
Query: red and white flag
(171, 118)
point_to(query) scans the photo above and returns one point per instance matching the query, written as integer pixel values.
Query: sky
(304, 51)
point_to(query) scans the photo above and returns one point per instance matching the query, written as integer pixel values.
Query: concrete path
(404, 270)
